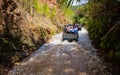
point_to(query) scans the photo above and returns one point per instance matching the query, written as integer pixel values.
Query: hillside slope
(24, 27)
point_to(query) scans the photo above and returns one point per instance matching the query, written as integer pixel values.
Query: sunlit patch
(50, 70)
(69, 70)
(64, 54)
(82, 73)
(83, 31)
(66, 42)
(56, 39)
(17, 63)
(31, 59)
(63, 57)
(52, 56)
(68, 62)
(74, 49)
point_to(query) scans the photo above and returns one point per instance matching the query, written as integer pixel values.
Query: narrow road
(63, 58)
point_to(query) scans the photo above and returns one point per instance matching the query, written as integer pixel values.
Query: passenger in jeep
(74, 29)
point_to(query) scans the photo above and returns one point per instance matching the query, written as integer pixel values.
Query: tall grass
(69, 13)
(66, 5)
(34, 6)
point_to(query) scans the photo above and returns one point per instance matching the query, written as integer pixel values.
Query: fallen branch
(111, 29)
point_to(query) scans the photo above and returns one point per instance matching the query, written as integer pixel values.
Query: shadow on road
(63, 58)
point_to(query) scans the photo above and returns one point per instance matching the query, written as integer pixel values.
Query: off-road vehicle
(70, 32)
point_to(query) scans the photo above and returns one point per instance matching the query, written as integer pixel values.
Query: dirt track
(63, 58)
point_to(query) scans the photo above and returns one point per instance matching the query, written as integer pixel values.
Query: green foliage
(65, 3)
(34, 6)
(118, 54)
(44, 9)
(110, 54)
(68, 14)
(37, 6)
(102, 19)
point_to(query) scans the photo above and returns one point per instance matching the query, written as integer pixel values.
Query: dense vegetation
(102, 19)
(26, 24)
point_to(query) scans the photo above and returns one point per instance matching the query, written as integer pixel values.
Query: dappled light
(64, 58)
(59, 37)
